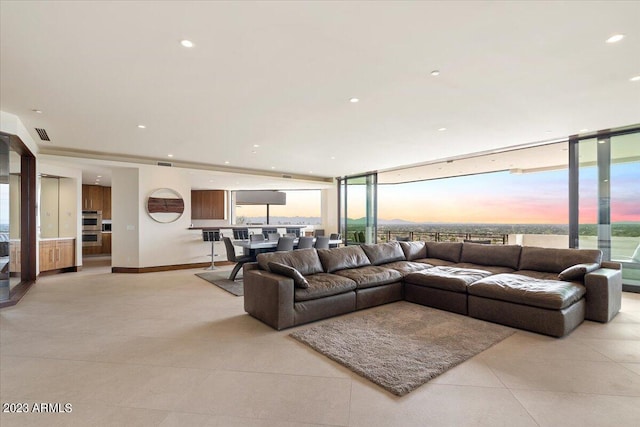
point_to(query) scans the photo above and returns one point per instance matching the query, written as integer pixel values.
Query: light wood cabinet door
(106, 202)
(15, 257)
(65, 253)
(47, 255)
(56, 254)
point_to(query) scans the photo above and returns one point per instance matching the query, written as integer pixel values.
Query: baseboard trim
(16, 294)
(58, 271)
(155, 269)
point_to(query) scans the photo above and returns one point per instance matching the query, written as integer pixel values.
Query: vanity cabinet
(207, 204)
(57, 254)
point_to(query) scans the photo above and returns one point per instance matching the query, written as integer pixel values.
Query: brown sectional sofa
(550, 291)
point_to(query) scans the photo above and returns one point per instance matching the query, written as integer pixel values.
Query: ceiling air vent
(287, 176)
(42, 134)
(167, 164)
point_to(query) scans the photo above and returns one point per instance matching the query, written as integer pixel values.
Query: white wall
(10, 123)
(329, 210)
(140, 241)
(125, 213)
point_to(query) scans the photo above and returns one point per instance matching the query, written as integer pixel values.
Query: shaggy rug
(220, 279)
(401, 346)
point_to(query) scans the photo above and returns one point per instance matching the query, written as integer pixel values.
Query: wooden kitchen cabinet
(92, 198)
(106, 243)
(207, 204)
(106, 203)
(57, 254)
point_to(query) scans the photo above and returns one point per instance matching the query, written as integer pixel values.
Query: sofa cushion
(447, 278)
(323, 285)
(490, 268)
(370, 276)
(306, 261)
(549, 294)
(578, 271)
(335, 259)
(285, 270)
(449, 251)
(556, 260)
(435, 262)
(406, 267)
(543, 275)
(498, 255)
(383, 253)
(414, 250)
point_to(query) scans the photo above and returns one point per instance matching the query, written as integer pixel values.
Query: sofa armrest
(604, 294)
(612, 265)
(269, 297)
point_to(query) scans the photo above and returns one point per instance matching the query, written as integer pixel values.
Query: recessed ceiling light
(210, 180)
(273, 167)
(142, 127)
(333, 157)
(310, 171)
(169, 155)
(37, 111)
(635, 78)
(615, 38)
(226, 162)
(435, 73)
(584, 130)
(256, 145)
(442, 129)
(186, 43)
(354, 100)
(99, 176)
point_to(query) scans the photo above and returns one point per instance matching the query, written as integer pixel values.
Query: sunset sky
(499, 197)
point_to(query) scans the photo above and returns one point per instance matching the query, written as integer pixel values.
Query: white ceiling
(280, 75)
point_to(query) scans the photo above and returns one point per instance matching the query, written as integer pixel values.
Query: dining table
(253, 248)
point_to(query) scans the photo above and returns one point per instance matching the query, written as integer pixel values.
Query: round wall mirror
(165, 205)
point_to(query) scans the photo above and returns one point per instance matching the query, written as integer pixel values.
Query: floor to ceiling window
(358, 217)
(609, 200)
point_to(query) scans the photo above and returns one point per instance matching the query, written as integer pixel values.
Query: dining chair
(305, 242)
(231, 257)
(322, 242)
(256, 238)
(273, 237)
(334, 236)
(290, 235)
(285, 244)
(319, 232)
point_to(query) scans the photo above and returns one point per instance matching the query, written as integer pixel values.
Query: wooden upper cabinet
(106, 202)
(207, 204)
(92, 198)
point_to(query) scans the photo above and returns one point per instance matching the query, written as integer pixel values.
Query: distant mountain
(362, 221)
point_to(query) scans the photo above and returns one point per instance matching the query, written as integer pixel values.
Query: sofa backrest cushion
(335, 259)
(383, 253)
(306, 261)
(498, 255)
(414, 250)
(578, 271)
(448, 251)
(285, 270)
(556, 260)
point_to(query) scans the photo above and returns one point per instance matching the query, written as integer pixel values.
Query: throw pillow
(285, 270)
(577, 272)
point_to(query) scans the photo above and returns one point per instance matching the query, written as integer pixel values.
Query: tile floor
(170, 349)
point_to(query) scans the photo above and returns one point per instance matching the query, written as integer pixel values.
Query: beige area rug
(221, 280)
(401, 346)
